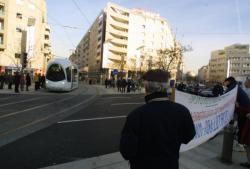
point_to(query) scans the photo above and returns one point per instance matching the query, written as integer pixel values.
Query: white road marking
(47, 117)
(5, 98)
(11, 103)
(115, 98)
(93, 119)
(133, 103)
(33, 108)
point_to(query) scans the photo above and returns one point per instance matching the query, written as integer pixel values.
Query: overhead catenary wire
(81, 12)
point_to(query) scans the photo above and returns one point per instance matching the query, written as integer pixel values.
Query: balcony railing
(120, 24)
(118, 49)
(118, 32)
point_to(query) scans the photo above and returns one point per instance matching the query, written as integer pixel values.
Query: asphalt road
(91, 131)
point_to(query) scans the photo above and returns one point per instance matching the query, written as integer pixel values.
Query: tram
(61, 75)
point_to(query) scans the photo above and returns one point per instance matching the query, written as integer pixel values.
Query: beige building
(233, 61)
(23, 30)
(203, 74)
(123, 40)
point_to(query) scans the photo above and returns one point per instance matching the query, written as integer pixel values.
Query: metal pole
(227, 147)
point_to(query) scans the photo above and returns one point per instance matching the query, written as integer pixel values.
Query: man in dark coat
(153, 133)
(28, 81)
(243, 112)
(17, 79)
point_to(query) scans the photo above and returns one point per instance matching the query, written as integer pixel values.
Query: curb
(111, 161)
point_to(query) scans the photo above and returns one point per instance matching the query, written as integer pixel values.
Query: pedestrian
(39, 80)
(36, 79)
(245, 133)
(124, 84)
(242, 107)
(22, 82)
(10, 80)
(118, 84)
(128, 86)
(106, 83)
(28, 81)
(16, 80)
(153, 133)
(218, 90)
(2, 80)
(43, 81)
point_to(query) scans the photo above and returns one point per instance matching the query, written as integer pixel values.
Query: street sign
(172, 83)
(115, 72)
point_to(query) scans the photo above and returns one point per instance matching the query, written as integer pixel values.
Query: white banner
(30, 41)
(210, 115)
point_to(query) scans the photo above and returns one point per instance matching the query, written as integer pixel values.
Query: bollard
(172, 95)
(227, 147)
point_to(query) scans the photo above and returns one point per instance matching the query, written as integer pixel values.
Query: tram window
(68, 72)
(55, 73)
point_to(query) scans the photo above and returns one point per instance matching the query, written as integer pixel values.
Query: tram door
(74, 73)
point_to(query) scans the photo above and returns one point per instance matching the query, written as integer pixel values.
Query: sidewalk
(5, 90)
(205, 156)
(103, 90)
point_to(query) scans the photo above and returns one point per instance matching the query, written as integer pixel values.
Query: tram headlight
(63, 83)
(47, 81)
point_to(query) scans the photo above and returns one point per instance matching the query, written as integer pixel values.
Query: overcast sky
(206, 25)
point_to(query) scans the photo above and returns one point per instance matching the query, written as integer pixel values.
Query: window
(55, 73)
(68, 73)
(1, 9)
(75, 75)
(19, 15)
(1, 39)
(1, 24)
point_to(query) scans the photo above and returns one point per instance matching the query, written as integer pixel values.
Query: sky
(206, 25)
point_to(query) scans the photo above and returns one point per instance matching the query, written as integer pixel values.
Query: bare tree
(169, 56)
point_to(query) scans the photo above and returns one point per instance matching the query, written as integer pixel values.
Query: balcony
(118, 32)
(47, 33)
(119, 15)
(118, 49)
(120, 41)
(46, 51)
(117, 23)
(114, 57)
(46, 41)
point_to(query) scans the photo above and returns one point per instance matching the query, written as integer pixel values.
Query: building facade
(24, 32)
(233, 61)
(124, 42)
(203, 74)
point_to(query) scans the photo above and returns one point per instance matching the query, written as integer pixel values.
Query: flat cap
(156, 75)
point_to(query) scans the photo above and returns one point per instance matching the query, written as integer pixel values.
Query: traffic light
(24, 60)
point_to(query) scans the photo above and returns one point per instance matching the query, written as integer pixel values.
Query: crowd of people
(123, 85)
(21, 81)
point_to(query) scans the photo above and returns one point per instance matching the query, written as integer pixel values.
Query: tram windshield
(55, 73)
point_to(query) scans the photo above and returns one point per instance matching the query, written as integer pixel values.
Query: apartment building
(124, 42)
(24, 31)
(233, 61)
